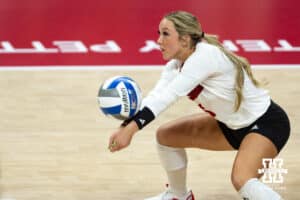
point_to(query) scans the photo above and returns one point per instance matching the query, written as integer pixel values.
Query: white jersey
(208, 77)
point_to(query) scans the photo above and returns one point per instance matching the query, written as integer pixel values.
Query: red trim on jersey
(208, 111)
(195, 92)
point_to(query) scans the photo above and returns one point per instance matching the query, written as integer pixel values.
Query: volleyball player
(240, 115)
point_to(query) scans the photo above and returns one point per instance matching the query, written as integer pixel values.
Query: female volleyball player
(239, 114)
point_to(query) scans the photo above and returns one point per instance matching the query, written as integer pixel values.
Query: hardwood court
(53, 141)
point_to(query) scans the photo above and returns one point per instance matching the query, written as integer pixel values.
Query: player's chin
(166, 57)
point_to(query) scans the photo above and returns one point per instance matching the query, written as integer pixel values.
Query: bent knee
(238, 180)
(163, 134)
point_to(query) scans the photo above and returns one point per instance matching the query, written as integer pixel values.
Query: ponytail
(241, 65)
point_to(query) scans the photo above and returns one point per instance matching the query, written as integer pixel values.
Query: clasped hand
(121, 138)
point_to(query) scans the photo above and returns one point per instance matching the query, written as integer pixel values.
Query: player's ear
(185, 40)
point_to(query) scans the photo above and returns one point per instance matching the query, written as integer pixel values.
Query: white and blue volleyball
(120, 97)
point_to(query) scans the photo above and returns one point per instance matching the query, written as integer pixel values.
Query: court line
(125, 67)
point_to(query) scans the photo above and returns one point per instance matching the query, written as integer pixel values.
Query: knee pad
(172, 158)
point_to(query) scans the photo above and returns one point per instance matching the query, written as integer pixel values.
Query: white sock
(177, 182)
(256, 190)
(174, 161)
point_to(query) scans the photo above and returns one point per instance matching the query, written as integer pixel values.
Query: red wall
(75, 32)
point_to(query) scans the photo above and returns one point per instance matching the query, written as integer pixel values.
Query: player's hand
(121, 138)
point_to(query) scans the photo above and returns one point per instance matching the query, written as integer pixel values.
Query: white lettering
(254, 45)
(272, 170)
(285, 46)
(7, 47)
(38, 48)
(150, 46)
(71, 46)
(109, 47)
(228, 44)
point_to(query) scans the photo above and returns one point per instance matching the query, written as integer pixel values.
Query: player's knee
(162, 135)
(238, 180)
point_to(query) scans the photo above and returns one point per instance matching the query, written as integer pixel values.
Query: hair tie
(202, 35)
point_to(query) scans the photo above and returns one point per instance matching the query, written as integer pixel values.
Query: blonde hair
(187, 24)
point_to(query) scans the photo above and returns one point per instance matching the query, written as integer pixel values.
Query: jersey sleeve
(196, 69)
(167, 75)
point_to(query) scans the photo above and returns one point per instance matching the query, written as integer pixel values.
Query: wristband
(126, 122)
(142, 118)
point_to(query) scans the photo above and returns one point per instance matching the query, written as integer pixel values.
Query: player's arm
(121, 138)
(190, 76)
(196, 69)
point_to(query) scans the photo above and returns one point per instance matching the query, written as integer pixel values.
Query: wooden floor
(53, 141)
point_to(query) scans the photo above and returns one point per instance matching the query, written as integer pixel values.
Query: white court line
(125, 67)
(81, 68)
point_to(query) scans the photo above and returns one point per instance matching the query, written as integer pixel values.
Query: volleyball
(119, 97)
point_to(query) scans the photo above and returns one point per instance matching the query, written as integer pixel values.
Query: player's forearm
(131, 128)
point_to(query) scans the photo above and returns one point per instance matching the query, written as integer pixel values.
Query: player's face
(168, 40)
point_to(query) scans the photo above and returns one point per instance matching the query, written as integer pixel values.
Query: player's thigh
(197, 130)
(253, 149)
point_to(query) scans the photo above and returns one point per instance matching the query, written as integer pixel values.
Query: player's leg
(198, 131)
(253, 149)
(273, 130)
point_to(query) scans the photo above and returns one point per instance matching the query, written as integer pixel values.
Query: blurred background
(98, 32)
(55, 54)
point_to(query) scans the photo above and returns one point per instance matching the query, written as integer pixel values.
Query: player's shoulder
(173, 64)
(204, 54)
(206, 48)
